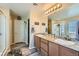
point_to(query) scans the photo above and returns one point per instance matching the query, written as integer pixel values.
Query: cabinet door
(67, 52)
(44, 47)
(43, 52)
(53, 49)
(37, 42)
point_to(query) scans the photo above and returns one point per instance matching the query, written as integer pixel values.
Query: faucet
(67, 38)
(54, 35)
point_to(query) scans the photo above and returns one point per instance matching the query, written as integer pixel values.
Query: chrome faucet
(67, 38)
(53, 35)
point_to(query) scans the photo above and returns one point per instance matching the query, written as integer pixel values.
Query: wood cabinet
(37, 42)
(63, 51)
(44, 47)
(53, 49)
(43, 52)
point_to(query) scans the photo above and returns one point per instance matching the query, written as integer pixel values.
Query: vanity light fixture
(53, 8)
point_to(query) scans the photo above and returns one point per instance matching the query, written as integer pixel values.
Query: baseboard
(16, 43)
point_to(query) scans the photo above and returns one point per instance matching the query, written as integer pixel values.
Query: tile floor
(21, 49)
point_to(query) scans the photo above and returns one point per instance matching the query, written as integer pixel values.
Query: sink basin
(64, 42)
(76, 46)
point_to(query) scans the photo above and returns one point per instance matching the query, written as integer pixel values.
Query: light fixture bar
(53, 8)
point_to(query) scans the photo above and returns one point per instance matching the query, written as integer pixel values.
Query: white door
(2, 33)
(18, 31)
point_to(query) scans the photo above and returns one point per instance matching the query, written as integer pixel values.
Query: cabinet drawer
(44, 41)
(44, 46)
(43, 53)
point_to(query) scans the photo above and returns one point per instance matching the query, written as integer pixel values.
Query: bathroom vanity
(47, 45)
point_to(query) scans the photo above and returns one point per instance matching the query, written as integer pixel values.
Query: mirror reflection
(67, 29)
(65, 23)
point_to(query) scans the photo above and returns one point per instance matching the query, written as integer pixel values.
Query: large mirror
(66, 28)
(65, 22)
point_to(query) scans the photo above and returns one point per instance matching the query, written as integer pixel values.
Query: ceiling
(23, 9)
(19, 8)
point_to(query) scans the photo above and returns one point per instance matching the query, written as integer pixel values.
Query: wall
(13, 17)
(18, 31)
(37, 16)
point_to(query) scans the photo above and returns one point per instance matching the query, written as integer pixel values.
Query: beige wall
(37, 16)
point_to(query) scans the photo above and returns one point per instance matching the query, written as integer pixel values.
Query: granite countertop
(65, 43)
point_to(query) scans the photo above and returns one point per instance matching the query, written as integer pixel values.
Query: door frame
(28, 32)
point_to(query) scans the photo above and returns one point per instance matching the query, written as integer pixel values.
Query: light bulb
(49, 11)
(55, 7)
(52, 9)
(46, 12)
(58, 5)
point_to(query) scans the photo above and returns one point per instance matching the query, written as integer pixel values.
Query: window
(72, 26)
